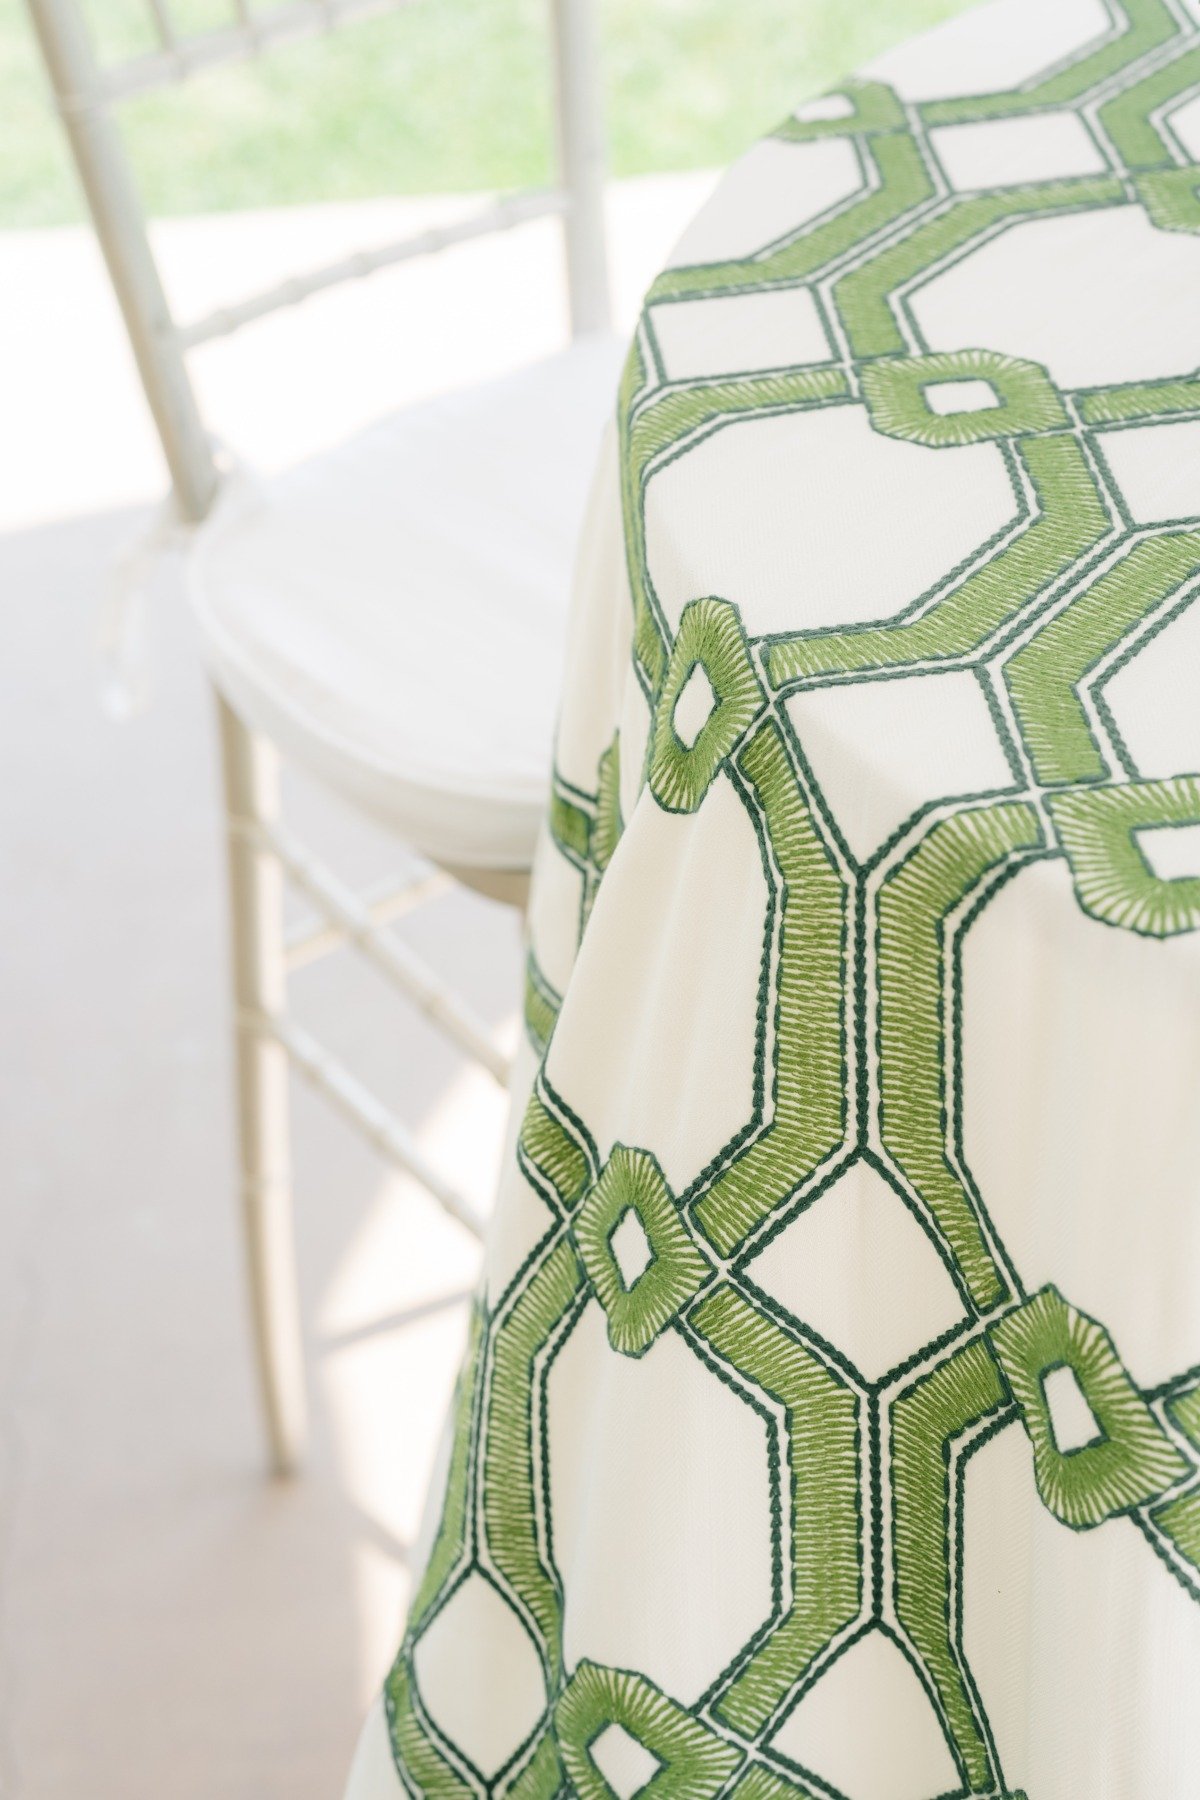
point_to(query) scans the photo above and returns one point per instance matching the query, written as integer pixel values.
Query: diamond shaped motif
(693, 707)
(630, 1247)
(625, 1764)
(710, 638)
(694, 1761)
(1172, 852)
(1100, 829)
(631, 1194)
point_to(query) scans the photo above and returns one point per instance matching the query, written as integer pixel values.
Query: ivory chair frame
(263, 856)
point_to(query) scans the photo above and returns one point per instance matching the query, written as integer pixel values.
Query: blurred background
(171, 1621)
(442, 97)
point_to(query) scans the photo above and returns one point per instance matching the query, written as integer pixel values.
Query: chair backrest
(87, 94)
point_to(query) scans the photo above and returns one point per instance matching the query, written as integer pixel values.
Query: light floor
(171, 1623)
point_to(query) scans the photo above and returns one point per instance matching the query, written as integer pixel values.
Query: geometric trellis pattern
(859, 1043)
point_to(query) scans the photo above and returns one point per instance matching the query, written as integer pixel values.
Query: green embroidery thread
(632, 1182)
(858, 1034)
(1134, 1459)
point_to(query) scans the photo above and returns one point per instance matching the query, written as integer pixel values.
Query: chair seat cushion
(393, 613)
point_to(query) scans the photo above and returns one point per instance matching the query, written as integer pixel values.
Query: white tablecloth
(831, 1420)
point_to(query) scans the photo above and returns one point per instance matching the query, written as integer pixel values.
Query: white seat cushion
(393, 613)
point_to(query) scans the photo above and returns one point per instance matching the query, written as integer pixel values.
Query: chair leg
(251, 781)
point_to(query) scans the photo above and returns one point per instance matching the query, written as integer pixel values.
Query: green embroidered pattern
(631, 1185)
(1133, 1459)
(913, 906)
(962, 622)
(895, 392)
(926, 1422)
(822, 1463)
(858, 1058)
(809, 1113)
(709, 639)
(1098, 828)
(692, 1758)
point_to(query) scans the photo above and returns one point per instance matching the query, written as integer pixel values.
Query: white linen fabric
(393, 612)
(830, 1423)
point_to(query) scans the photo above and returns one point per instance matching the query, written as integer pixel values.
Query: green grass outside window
(446, 95)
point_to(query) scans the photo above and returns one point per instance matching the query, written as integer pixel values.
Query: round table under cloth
(830, 1423)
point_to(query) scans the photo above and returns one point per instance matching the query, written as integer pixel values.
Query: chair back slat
(484, 221)
(121, 229)
(579, 121)
(250, 32)
(85, 93)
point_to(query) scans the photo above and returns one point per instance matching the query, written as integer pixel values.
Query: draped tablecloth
(830, 1423)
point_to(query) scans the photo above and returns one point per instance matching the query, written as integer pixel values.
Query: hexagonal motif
(874, 1681)
(857, 1268)
(479, 1675)
(1042, 146)
(941, 739)
(787, 543)
(660, 1485)
(1055, 291)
